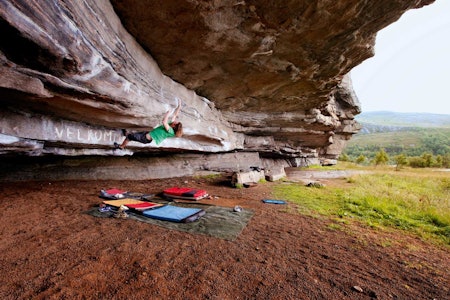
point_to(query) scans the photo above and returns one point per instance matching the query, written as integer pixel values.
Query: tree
(416, 162)
(361, 159)
(428, 159)
(401, 161)
(439, 161)
(381, 157)
(446, 161)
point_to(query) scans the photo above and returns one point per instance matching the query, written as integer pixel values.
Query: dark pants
(139, 137)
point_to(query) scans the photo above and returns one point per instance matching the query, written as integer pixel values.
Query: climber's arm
(177, 110)
(165, 120)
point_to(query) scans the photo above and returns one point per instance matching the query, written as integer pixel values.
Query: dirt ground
(51, 249)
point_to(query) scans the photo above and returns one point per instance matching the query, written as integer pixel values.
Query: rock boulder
(270, 77)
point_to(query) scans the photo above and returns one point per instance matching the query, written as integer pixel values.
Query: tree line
(381, 157)
(422, 149)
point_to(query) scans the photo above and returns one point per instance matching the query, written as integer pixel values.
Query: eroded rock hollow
(267, 77)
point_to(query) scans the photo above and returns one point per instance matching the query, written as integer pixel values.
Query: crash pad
(126, 202)
(143, 206)
(114, 191)
(185, 193)
(175, 213)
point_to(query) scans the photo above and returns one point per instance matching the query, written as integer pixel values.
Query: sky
(410, 71)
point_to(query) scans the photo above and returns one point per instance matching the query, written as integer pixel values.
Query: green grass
(385, 139)
(415, 201)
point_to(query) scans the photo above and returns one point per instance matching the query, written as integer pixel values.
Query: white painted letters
(69, 132)
(59, 134)
(88, 136)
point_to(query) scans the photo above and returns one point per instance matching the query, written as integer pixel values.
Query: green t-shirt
(159, 134)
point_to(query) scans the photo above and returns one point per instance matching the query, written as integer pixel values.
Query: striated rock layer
(262, 76)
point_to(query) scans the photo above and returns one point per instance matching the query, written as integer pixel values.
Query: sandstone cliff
(269, 77)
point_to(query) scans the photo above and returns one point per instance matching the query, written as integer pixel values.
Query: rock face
(270, 77)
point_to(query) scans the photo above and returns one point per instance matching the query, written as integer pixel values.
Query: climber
(166, 130)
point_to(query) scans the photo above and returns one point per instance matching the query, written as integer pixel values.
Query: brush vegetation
(410, 142)
(414, 200)
(411, 135)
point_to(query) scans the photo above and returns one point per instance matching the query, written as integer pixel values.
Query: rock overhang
(270, 77)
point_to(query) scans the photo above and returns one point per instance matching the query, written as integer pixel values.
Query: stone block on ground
(241, 178)
(275, 174)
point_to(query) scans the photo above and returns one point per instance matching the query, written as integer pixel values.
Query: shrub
(381, 157)
(361, 159)
(400, 161)
(416, 162)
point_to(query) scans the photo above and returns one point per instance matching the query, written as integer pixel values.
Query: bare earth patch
(51, 249)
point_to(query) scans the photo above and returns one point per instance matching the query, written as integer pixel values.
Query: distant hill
(408, 133)
(395, 119)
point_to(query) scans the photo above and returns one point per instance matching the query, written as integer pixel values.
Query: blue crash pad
(175, 213)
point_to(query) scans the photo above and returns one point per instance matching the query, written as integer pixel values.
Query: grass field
(416, 201)
(384, 139)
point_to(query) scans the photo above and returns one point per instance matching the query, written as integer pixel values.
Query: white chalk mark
(127, 86)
